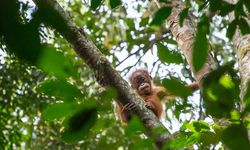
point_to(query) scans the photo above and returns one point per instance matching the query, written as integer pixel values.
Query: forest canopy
(65, 64)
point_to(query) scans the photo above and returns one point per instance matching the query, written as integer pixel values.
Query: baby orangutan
(153, 96)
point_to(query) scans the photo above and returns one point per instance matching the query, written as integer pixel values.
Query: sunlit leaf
(160, 16)
(235, 115)
(168, 56)
(194, 138)
(219, 96)
(60, 88)
(180, 141)
(175, 87)
(59, 110)
(55, 63)
(226, 81)
(200, 126)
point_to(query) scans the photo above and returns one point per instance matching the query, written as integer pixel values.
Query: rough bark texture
(242, 46)
(105, 73)
(185, 37)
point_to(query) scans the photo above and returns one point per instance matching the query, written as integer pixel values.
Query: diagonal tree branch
(106, 75)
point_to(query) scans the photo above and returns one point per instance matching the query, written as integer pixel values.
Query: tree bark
(185, 38)
(242, 46)
(104, 71)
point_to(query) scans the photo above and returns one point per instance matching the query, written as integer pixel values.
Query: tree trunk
(242, 46)
(185, 37)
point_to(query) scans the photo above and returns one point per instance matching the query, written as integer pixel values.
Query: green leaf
(21, 39)
(164, 1)
(114, 3)
(170, 41)
(60, 88)
(220, 97)
(239, 10)
(108, 94)
(215, 5)
(55, 63)
(144, 21)
(134, 126)
(194, 138)
(160, 16)
(183, 15)
(244, 27)
(208, 138)
(143, 144)
(232, 28)
(95, 4)
(235, 137)
(175, 87)
(179, 142)
(246, 2)
(168, 56)
(200, 50)
(130, 23)
(246, 98)
(59, 110)
(226, 82)
(200, 126)
(79, 125)
(226, 8)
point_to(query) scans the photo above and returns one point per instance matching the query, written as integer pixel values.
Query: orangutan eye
(141, 80)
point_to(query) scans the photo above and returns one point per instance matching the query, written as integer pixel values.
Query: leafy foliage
(49, 98)
(114, 3)
(160, 16)
(95, 3)
(175, 87)
(200, 50)
(183, 15)
(221, 91)
(168, 56)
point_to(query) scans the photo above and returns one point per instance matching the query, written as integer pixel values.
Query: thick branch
(104, 71)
